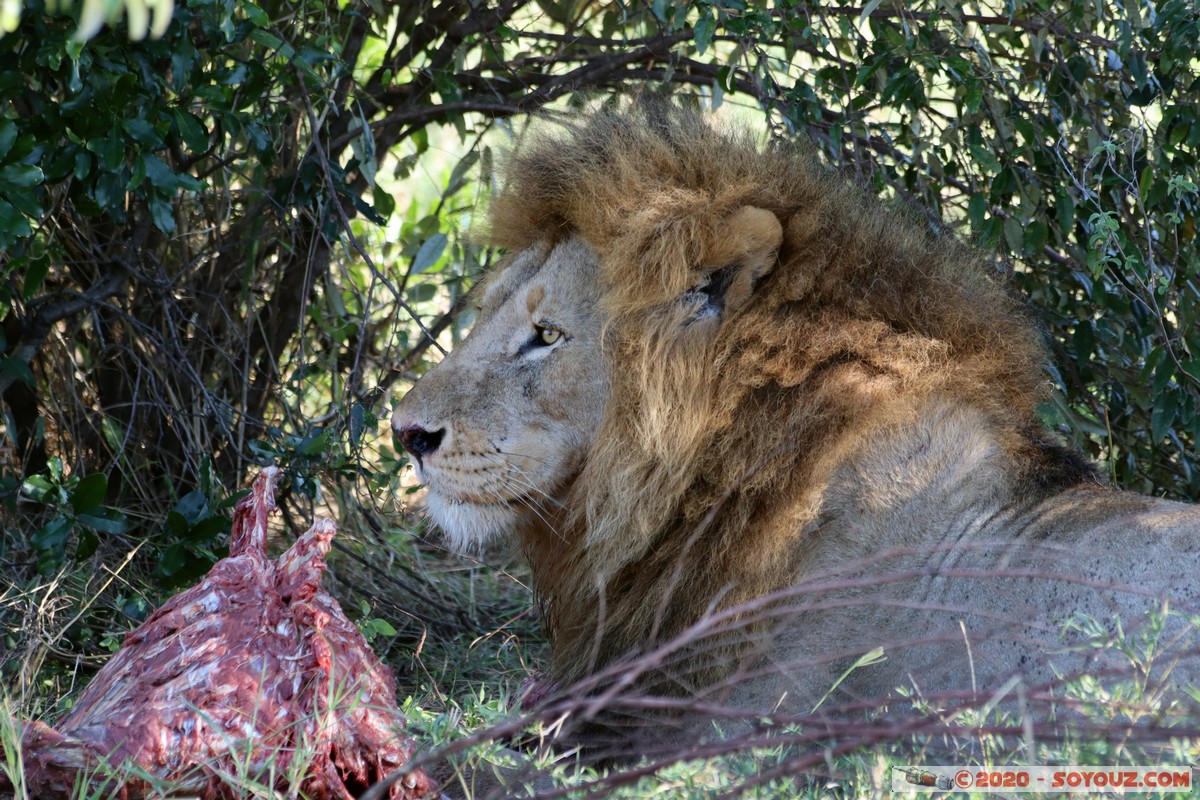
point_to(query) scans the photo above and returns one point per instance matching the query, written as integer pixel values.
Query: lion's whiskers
(534, 498)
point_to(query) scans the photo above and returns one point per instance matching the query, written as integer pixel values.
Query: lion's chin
(469, 526)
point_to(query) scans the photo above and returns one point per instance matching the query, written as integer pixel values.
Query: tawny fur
(865, 385)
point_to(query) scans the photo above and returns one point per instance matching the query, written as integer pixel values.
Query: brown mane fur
(714, 450)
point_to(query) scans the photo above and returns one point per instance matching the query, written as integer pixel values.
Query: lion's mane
(714, 451)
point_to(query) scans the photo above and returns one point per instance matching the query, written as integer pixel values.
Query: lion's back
(929, 550)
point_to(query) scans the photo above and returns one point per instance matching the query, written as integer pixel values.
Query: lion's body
(768, 393)
(965, 581)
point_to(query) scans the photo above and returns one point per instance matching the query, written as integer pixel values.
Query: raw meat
(255, 674)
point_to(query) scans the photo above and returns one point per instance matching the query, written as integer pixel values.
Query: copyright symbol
(963, 779)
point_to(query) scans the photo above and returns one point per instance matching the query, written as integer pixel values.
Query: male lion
(714, 385)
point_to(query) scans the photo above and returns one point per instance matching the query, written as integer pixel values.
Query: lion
(748, 423)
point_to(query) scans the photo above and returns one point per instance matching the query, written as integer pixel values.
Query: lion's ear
(746, 253)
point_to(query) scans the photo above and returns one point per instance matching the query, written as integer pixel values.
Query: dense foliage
(226, 246)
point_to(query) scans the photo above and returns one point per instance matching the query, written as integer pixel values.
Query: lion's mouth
(451, 494)
(520, 501)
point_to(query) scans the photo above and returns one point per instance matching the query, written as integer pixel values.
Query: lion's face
(496, 430)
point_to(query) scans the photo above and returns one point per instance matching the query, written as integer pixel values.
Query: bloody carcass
(254, 678)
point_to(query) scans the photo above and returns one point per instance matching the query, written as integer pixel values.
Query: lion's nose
(418, 441)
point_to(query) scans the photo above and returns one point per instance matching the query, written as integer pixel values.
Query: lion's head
(690, 334)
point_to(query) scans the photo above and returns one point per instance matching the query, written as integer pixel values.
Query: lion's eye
(546, 335)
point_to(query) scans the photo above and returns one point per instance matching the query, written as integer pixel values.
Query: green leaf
(702, 35)
(234, 75)
(867, 10)
(273, 42)
(18, 369)
(256, 15)
(8, 135)
(161, 212)
(973, 98)
(191, 130)
(207, 530)
(83, 164)
(421, 293)
(12, 221)
(1163, 374)
(1162, 417)
(1014, 234)
(367, 211)
(113, 433)
(1154, 362)
(173, 559)
(232, 500)
(315, 445)
(89, 492)
(385, 204)
(141, 132)
(22, 176)
(192, 507)
(52, 535)
(177, 525)
(358, 416)
(867, 659)
(431, 250)
(160, 174)
(25, 202)
(382, 627)
(35, 275)
(110, 149)
(190, 184)
(1004, 184)
(88, 544)
(106, 520)
(976, 209)
(1064, 211)
(458, 176)
(137, 175)
(38, 489)
(1036, 235)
